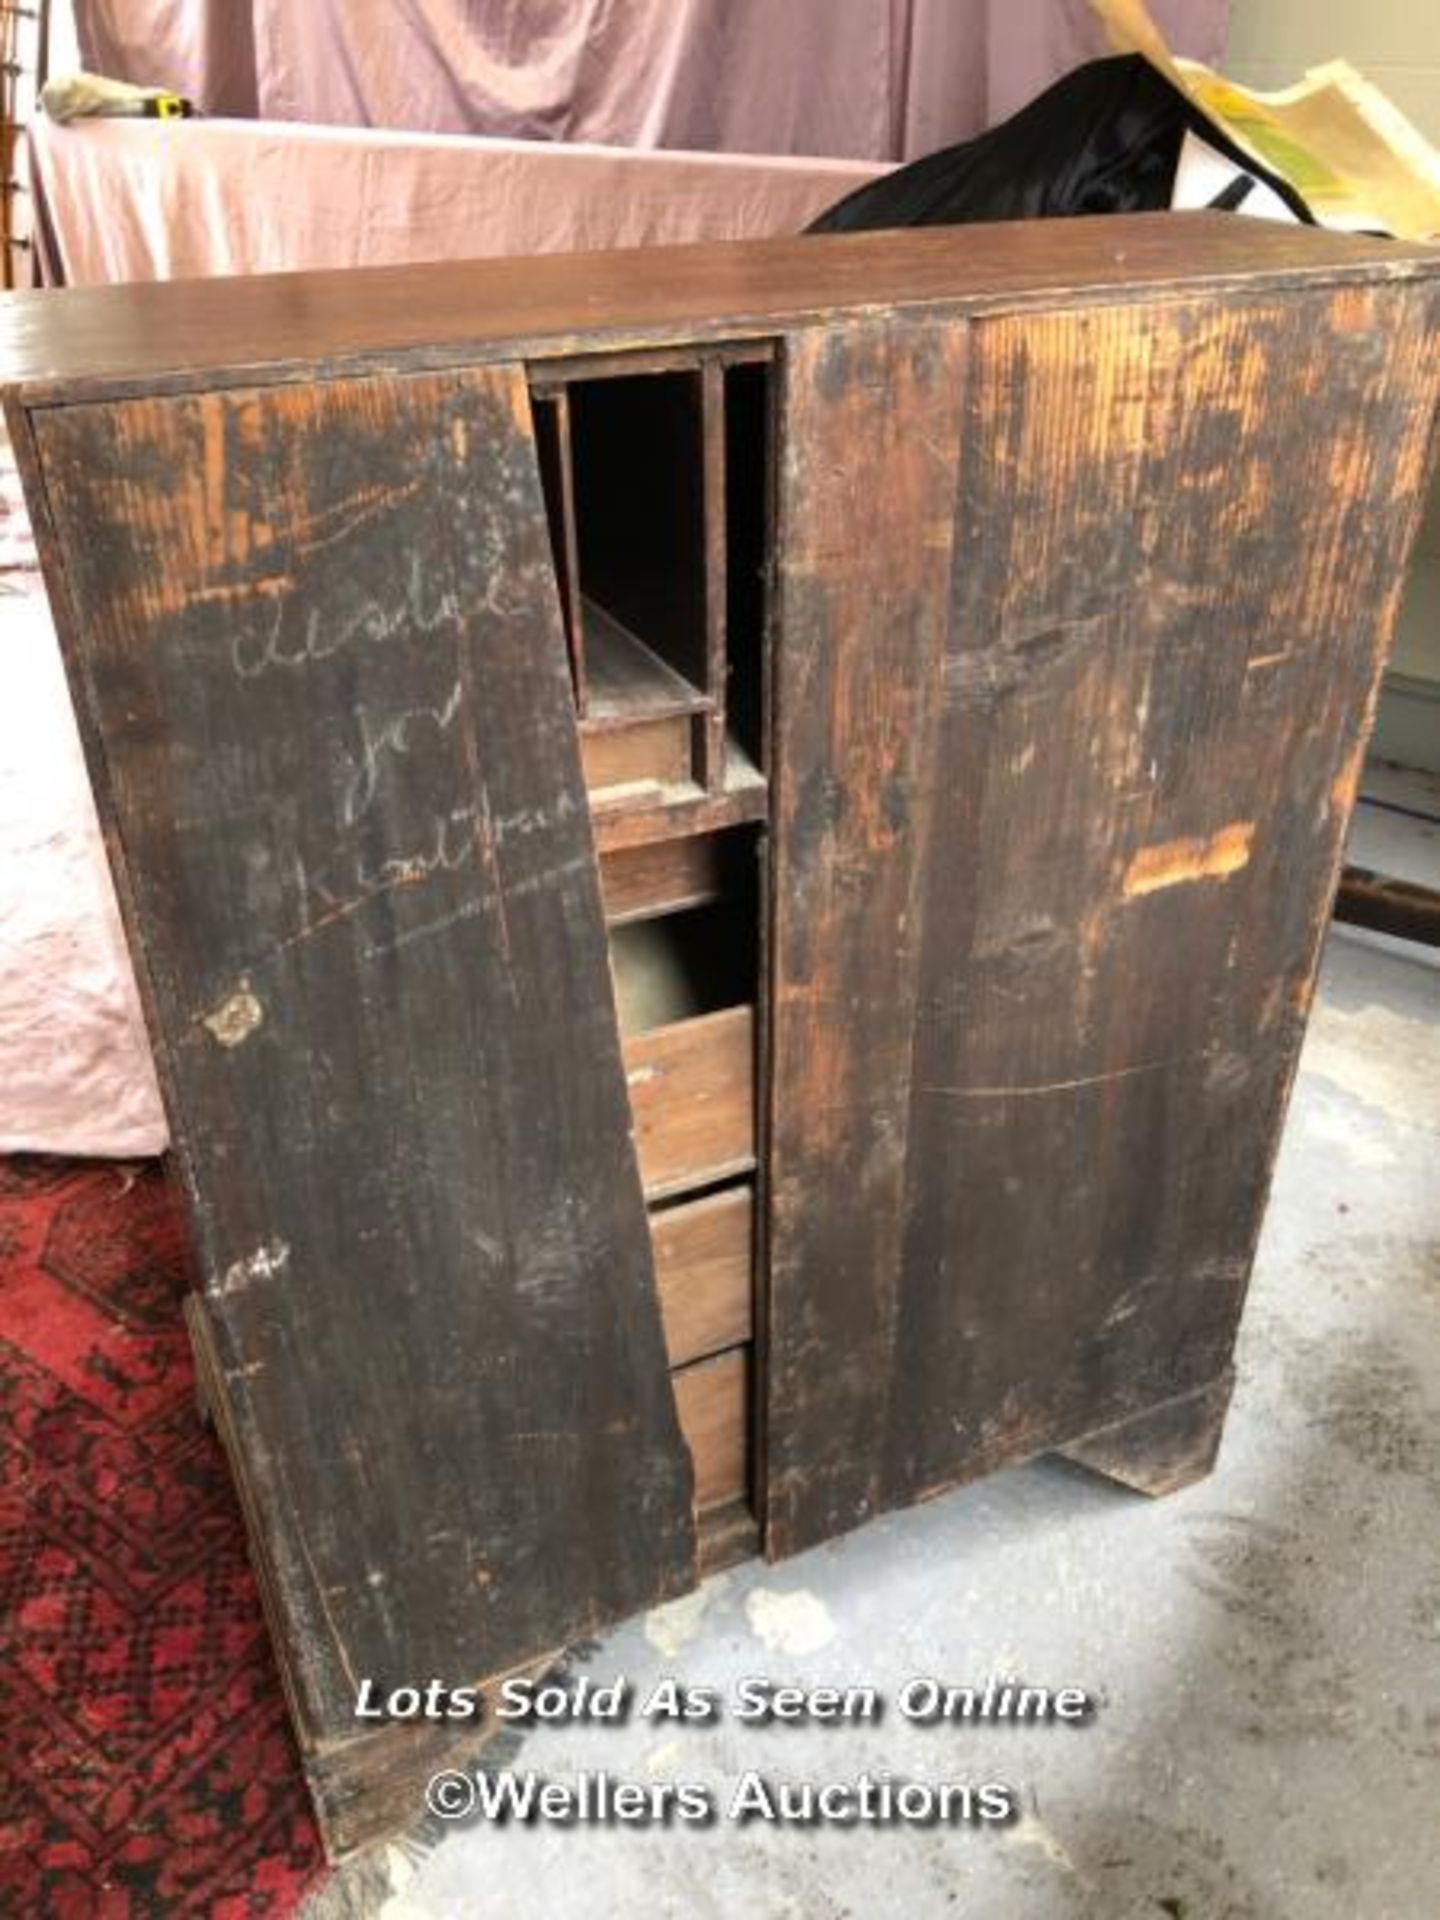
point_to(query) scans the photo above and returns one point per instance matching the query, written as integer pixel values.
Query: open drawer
(685, 989)
(692, 1094)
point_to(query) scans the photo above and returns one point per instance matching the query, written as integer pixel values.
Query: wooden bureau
(727, 850)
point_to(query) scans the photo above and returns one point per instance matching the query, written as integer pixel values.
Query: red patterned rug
(148, 1768)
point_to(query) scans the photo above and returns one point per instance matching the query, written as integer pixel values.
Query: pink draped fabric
(166, 199)
(864, 79)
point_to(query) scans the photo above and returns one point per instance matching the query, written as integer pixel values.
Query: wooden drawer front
(654, 754)
(640, 882)
(712, 1401)
(703, 1262)
(692, 1095)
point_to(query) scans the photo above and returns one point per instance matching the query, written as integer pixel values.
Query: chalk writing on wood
(322, 641)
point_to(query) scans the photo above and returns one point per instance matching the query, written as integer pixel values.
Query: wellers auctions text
(599, 1799)
(875, 1798)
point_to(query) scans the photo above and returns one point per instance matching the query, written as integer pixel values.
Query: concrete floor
(1266, 1645)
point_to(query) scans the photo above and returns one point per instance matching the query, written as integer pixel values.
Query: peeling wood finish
(321, 642)
(1178, 863)
(1034, 1035)
(235, 1019)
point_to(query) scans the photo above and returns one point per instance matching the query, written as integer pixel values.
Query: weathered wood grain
(364, 1787)
(317, 632)
(1180, 536)
(1179, 547)
(381, 319)
(728, 1533)
(871, 416)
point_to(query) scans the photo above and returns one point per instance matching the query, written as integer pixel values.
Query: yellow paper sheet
(1351, 155)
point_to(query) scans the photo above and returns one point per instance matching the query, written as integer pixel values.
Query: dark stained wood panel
(1178, 549)
(870, 432)
(1177, 564)
(318, 631)
(294, 324)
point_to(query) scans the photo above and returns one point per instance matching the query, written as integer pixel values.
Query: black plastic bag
(1104, 139)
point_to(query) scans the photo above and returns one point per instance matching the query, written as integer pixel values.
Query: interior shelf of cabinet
(639, 713)
(656, 475)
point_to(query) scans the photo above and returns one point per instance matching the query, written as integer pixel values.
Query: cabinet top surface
(290, 324)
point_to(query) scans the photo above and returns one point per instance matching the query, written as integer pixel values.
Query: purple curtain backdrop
(865, 79)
